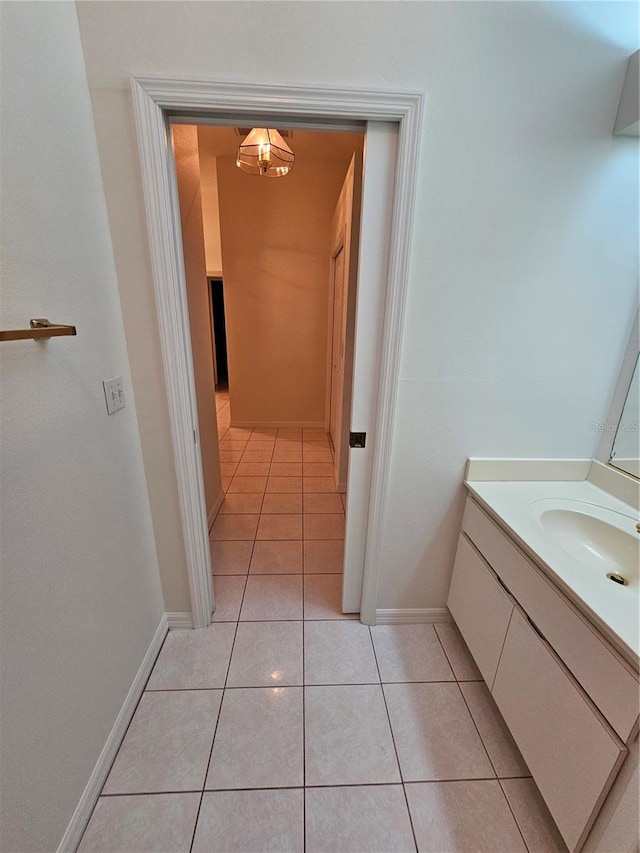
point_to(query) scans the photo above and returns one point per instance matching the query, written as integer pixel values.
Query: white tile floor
(286, 726)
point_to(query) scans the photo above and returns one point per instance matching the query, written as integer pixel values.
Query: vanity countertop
(570, 528)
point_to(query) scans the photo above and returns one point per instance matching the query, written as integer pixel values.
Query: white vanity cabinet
(567, 696)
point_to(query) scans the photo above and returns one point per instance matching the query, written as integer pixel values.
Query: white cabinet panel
(600, 671)
(572, 753)
(480, 607)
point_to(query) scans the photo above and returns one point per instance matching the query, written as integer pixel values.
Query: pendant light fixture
(264, 152)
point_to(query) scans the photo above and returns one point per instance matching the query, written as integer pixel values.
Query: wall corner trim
(412, 615)
(215, 509)
(80, 818)
(179, 620)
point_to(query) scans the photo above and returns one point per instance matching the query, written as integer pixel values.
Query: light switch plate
(114, 394)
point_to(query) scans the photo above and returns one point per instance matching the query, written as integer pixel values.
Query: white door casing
(390, 117)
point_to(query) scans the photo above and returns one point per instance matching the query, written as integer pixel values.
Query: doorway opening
(220, 359)
(282, 329)
(393, 124)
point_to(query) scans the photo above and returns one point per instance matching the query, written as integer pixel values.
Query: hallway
(286, 726)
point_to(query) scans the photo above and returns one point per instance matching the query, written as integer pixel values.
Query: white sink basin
(603, 540)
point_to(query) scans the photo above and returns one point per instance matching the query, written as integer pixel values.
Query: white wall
(80, 591)
(524, 257)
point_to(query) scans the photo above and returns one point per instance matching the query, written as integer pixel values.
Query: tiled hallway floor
(285, 726)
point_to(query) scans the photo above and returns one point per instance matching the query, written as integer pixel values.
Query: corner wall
(81, 596)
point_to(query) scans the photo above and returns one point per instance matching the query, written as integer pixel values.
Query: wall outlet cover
(114, 394)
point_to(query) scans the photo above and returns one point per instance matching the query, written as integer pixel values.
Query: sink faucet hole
(616, 578)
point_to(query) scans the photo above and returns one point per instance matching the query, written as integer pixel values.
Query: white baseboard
(179, 620)
(78, 823)
(215, 509)
(401, 616)
(279, 424)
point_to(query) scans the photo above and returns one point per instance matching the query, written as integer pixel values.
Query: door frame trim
(154, 102)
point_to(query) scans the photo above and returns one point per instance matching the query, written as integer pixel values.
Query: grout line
(393, 740)
(513, 815)
(300, 787)
(215, 730)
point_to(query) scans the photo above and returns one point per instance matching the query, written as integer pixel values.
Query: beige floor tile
(323, 556)
(410, 653)
(290, 433)
(287, 485)
(253, 469)
(234, 527)
(259, 739)
(260, 443)
(257, 455)
(319, 526)
(241, 504)
(194, 659)
(264, 433)
(232, 444)
(267, 654)
(318, 485)
(231, 455)
(462, 817)
(462, 663)
(251, 821)
(144, 823)
(279, 557)
(323, 597)
(280, 526)
(231, 558)
(532, 815)
(272, 598)
(317, 469)
(316, 455)
(315, 503)
(339, 653)
(277, 502)
(247, 484)
(286, 469)
(228, 469)
(167, 745)
(228, 591)
(503, 752)
(240, 433)
(434, 733)
(347, 736)
(371, 818)
(287, 455)
(314, 434)
(286, 444)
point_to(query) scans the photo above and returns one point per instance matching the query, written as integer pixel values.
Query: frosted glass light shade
(264, 152)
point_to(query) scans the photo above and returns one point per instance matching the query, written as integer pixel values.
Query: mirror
(626, 444)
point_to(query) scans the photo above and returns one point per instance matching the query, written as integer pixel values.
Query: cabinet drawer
(572, 753)
(599, 669)
(480, 607)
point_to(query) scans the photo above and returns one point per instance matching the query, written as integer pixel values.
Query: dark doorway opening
(219, 333)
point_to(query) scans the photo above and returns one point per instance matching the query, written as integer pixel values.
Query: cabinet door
(572, 753)
(480, 607)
